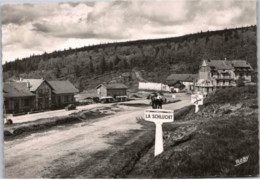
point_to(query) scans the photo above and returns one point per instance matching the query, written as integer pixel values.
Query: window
(6, 103)
(66, 98)
(26, 102)
(46, 102)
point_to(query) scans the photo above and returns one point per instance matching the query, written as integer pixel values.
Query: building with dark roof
(215, 74)
(63, 93)
(112, 89)
(42, 91)
(186, 79)
(41, 94)
(17, 97)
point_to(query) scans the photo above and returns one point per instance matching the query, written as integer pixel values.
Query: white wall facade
(153, 86)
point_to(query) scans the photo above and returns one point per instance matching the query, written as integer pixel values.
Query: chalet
(63, 93)
(187, 80)
(37, 94)
(215, 74)
(17, 98)
(42, 91)
(242, 69)
(113, 89)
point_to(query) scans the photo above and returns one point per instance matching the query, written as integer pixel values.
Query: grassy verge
(206, 144)
(209, 143)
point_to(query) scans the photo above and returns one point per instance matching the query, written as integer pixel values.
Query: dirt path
(37, 154)
(56, 113)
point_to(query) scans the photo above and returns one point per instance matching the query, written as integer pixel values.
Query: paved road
(66, 146)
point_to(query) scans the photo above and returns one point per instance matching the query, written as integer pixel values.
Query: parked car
(96, 99)
(107, 99)
(70, 107)
(7, 119)
(82, 102)
(121, 98)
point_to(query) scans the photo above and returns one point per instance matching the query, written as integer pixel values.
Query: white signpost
(158, 116)
(197, 99)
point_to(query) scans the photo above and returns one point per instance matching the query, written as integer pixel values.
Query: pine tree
(91, 67)
(41, 65)
(103, 66)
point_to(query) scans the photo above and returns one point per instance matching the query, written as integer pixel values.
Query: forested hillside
(127, 61)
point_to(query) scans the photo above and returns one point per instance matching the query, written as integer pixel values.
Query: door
(16, 106)
(59, 100)
(40, 103)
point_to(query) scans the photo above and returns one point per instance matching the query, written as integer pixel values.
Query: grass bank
(206, 144)
(209, 143)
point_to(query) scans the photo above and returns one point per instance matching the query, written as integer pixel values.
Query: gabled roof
(113, 86)
(220, 64)
(182, 77)
(241, 64)
(63, 87)
(15, 89)
(34, 83)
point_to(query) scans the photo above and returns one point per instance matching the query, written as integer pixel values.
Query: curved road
(66, 146)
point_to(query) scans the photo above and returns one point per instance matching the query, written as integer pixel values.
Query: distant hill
(128, 62)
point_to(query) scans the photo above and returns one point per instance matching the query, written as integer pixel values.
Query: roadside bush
(232, 95)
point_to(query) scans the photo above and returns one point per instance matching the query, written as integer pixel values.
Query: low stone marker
(173, 96)
(158, 116)
(197, 99)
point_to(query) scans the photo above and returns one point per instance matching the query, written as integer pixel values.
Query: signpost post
(159, 116)
(197, 99)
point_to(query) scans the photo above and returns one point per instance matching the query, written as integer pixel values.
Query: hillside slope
(209, 143)
(154, 59)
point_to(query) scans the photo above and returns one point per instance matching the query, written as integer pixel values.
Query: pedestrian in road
(159, 102)
(153, 101)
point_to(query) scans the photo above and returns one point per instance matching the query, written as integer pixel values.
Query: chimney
(28, 84)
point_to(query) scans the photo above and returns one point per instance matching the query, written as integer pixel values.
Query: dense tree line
(156, 58)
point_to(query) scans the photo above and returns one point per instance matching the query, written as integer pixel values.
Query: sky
(29, 29)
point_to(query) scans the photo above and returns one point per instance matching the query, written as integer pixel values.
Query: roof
(182, 77)
(113, 86)
(63, 87)
(220, 64)
(15, 89)
(34, 83)
(241, 63)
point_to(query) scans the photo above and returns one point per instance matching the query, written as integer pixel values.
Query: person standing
(159, 102)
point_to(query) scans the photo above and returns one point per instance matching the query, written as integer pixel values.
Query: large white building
(215, 74)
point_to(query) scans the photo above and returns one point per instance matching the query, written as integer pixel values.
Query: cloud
(21, 14)
(46, 27)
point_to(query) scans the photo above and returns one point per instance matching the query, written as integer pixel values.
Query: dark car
(70, 107)
(96, 99)
(107, 99)
(121, 98)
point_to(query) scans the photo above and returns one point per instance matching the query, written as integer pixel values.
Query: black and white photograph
(147, 89)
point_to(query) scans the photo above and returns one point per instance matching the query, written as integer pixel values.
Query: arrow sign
(158, 116)
(197, 99)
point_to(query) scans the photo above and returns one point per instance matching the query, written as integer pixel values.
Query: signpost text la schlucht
(159, 116)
